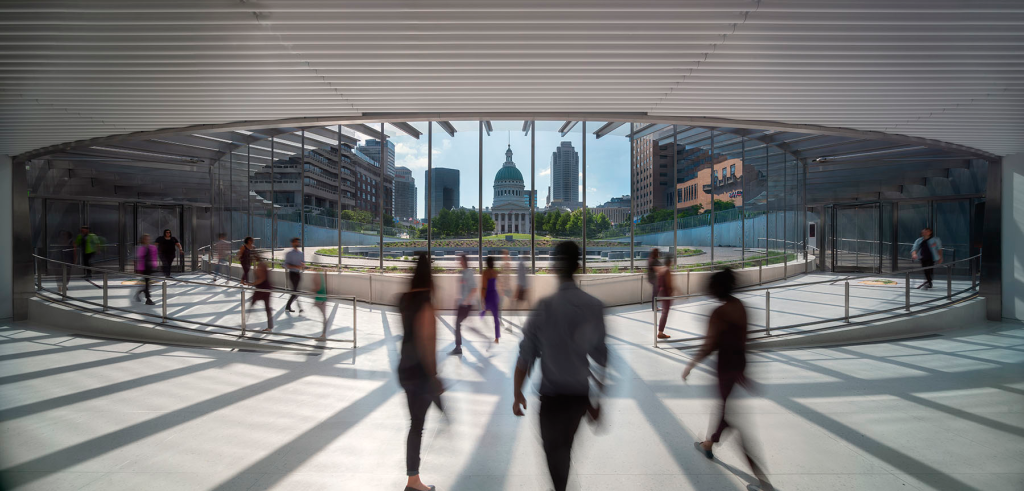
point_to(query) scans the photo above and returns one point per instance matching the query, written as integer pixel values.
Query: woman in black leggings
(417, 370)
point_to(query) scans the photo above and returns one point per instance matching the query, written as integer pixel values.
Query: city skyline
(607, 158)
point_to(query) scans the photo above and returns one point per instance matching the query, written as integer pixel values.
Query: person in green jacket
(86, 242)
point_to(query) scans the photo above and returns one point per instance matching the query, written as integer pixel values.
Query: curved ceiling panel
(945, 70)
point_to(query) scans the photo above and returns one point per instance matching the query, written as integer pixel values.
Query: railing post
(949, 281)
(163, 287)
(907, 303)
(354, 329)
(243, 290)
(105, 291)
(760, 266)
(768, 312)
(974, 278)
(847, 315)
(63, 281)
(654, 309)
(39, 275)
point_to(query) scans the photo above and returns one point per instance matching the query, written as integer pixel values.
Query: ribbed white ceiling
(940, 69)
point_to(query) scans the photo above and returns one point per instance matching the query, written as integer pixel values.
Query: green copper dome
(508, 173)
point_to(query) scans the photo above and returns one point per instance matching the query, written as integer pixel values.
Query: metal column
(714, 177)
(273, 210)
(533, 197)
(302, 191)
(785, 211)
(480, 197)
(991, 260)
(583, 210)
(337, 222)
(675, 185)
(632, 198)
(430, 187)
(248, 188)
(382, 160)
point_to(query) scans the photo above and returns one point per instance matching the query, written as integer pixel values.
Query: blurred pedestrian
(168, 247)
(490, 295)
(263, 288)
(653, 267)
(727, 334)
(86, 244)
(245, 258)
(145, 264)
(928, 248)
(294, 263)
(563, 330)
(417, 368)
(665, 289)
(222, 254)
(320, 302)
(522, 285)
(467, 295)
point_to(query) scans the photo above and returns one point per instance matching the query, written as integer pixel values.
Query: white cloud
(446, 144)
(593, 190)
(546, 172)
(403, 148)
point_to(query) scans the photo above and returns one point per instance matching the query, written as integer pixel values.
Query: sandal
(700, 448)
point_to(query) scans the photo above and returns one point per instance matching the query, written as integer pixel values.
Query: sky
(607, 158)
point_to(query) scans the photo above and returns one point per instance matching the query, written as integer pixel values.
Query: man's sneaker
(321, 338)
(149, 302)
(456, 351)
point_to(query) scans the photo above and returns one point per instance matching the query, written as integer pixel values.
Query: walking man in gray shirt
(467, 293)
(563, 331)
(294, 263)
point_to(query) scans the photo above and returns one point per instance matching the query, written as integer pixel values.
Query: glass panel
(506, 190)
(754, 199)
(104, 222)
(608, 199)
(911, 218)
(455, 195)
(952, 227)
(559, 172)
(857, 238)
(63, 219)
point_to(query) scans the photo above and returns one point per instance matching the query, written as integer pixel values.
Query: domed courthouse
(511, 207)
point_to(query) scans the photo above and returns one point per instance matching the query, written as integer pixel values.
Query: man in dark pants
(928, 248)
(562, 331)
(294, 262)
(168, 247)
(86, 242)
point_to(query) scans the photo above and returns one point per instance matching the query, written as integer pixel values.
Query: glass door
(856, 238)
(154, 219)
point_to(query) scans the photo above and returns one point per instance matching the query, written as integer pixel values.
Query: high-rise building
(565, 176)
(531, 197)
(444, 189)
(371, 148)
(652, 181)
(405, 194)
(323, 179)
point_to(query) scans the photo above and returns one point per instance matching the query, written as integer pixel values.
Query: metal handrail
(243, 289)
(207, 246)
(846, 318)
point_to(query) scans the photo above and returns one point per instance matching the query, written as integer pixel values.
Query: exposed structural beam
(648, 129)
(408, 129)
(567, 127)
(487, 127)
(607, 129)
(366, 130)
(527, 125)
(447, 127)
(332, 133)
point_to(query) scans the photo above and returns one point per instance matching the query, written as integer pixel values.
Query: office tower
(405, 194)
(444, 189)
(565, 176)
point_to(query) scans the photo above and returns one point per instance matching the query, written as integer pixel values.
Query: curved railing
(244, 293)
(832, 323)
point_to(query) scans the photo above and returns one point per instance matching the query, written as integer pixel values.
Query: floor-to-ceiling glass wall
(455, 198)
(506, 192)
(608, 196)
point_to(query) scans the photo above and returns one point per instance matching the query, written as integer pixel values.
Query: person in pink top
(145, 263)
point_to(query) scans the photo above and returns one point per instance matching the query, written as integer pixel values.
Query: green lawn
(514, 236)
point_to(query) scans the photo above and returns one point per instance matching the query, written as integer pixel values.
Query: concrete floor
(942, 412)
